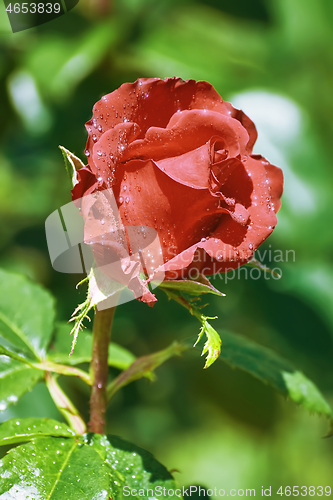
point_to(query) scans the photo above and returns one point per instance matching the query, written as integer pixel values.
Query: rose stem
(99, 368)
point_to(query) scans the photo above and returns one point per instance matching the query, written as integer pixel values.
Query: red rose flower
(179, 159)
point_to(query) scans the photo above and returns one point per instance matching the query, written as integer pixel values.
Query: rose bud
(179, 160)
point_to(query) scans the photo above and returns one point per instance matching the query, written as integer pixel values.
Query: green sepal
(199, 286)
(72, 164)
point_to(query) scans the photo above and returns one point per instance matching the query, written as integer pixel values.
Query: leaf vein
(62, 469)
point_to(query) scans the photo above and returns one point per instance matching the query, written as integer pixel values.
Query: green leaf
(304, 392)
(192, 287)
(15, 380)
(17, 430)
(91, 467)
(213, 342)
(273, 370)
(119, 357)
(72, 164)
(26, 314)
(144, 366)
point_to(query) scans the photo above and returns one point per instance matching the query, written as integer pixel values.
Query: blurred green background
(273, 59)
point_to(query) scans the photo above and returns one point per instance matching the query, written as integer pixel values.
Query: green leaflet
(91, 467)
(16, 379)
(272, 369)
(213, 344)
(17, 430)
(26, 314)
(304, 392)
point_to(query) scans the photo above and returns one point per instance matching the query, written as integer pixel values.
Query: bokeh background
(273, 59)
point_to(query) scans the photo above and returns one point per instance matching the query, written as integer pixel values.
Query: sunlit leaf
(17, 430)
(91, 467)
(15, 380)
(272, 369)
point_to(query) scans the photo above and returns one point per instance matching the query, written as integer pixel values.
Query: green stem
(63, 370)
(49, 366)
(65, 405)
(99, 368)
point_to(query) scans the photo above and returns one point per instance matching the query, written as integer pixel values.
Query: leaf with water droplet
(56, 469)
(17, 430)
(16, 379)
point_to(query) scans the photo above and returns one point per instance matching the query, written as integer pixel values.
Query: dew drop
(99, 153)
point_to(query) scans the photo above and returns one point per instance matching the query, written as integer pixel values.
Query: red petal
(188, 130)
(140, 102)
